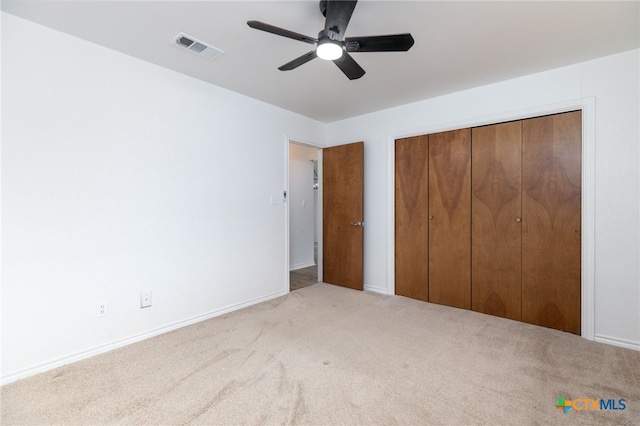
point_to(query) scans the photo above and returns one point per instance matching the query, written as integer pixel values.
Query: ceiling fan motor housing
(329, 35)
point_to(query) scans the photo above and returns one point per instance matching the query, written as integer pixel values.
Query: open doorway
(304, 219)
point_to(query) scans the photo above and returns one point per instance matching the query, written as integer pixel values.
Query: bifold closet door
(411, 227)
(551, 225)
(450, 218)
(496, 220)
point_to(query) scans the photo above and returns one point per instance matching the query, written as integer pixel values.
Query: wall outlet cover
(145, 299)
(103, 309)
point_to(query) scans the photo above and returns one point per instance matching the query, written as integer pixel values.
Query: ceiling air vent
(196, 46)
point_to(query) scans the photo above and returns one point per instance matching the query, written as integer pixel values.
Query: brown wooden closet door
(411, 227)
(551, 221)
(496, 212)
(450, 218)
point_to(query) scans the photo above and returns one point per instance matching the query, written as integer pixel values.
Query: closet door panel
(552, 221)
(450, 223)
(496, 228)
(411, 227)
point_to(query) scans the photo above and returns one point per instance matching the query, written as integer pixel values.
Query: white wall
(120, 176)
(614, 83)
(301, 206)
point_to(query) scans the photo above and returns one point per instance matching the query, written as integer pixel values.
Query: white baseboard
(379, 290)
(129, 340)
(302, 265)
(617, 342)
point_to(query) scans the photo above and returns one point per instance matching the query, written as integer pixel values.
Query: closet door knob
(430, 217)
(518, 219)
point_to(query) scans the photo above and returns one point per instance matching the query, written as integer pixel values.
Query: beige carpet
(328, 355)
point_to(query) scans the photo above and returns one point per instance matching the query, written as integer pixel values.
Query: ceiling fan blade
(349, 66)
(338, 15)
(382, 43)
(281, 32)
(298, 61)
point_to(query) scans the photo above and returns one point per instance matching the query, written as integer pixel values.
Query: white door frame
(298, 141)
(587, 106)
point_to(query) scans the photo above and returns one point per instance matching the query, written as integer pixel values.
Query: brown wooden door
(411, 226)
(496, 241)
(342, 215)
(551, 221)
(450, 218)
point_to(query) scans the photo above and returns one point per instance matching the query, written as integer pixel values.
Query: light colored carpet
(328, 355)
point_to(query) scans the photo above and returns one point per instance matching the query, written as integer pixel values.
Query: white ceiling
(458, 45)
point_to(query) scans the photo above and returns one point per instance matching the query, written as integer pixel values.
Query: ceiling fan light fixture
(329, 50)
(331, 45)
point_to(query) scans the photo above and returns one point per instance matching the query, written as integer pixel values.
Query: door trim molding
(287, 263)
(587, 106)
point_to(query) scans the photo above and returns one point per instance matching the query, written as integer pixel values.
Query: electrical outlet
(103, 309)
(145, 299)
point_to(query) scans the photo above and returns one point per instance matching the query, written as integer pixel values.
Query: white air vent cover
(196, 46)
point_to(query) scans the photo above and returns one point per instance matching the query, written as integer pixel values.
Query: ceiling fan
(331, 43)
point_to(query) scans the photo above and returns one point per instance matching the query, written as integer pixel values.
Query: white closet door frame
(587, 106)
